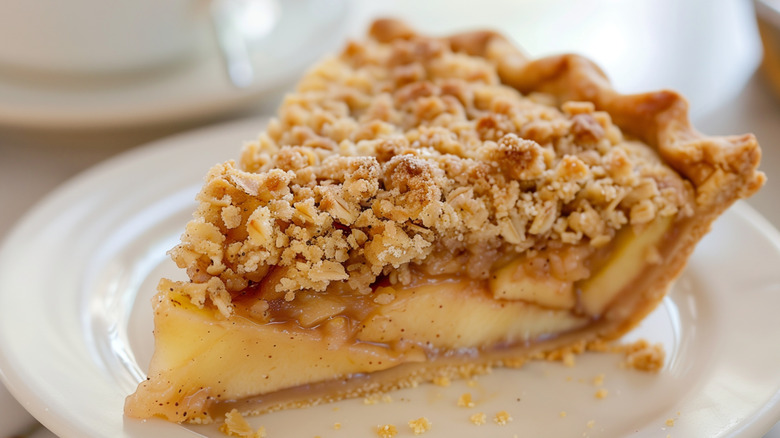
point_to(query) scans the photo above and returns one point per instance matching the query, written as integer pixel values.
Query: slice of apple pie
(427, 207)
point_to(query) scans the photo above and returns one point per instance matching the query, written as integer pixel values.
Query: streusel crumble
(409, 155)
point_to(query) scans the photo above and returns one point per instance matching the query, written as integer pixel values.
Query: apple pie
(425, 207)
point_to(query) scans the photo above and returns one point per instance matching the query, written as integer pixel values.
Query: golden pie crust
(408, 159)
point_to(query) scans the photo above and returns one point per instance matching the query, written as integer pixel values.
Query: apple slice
(515, 281)
(194, 345)
(462, 314)
(630, 255)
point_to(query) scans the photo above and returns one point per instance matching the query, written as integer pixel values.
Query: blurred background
(70, 99)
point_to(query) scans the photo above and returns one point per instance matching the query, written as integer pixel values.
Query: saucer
(194, 89)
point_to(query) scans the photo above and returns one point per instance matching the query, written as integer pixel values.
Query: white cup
(77, 37)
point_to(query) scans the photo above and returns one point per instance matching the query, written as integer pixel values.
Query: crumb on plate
(236, 425)
(502, 418)
(386, 431)
(465, 401)
(420, 425)
(478, 419)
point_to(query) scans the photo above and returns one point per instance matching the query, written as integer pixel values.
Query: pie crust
(524, 207)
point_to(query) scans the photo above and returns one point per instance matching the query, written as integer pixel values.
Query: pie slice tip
(427, 207)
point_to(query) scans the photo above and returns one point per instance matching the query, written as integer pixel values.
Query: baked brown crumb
(639, 355)
(670, 422)
(464, 401)
(336, 426)
(602, 393)
(236, 425)
(386, 431)
(565, 355)
(478, 419)
(420, 425)
(502, 418)
(644, 357)
(407, 155)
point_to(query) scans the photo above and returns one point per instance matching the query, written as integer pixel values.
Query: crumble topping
(407, 155)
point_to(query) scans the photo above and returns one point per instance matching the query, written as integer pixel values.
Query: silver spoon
(234, 22)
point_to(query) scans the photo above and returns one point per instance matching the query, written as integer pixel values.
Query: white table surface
(33, 162)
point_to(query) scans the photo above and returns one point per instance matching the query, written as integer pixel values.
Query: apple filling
(332, 336)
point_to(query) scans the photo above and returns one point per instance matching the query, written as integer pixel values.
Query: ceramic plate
(77, 273)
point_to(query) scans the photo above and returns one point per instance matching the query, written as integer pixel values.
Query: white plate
(77, 273)
(193, 90)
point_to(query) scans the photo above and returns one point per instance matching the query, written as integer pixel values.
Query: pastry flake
(426, 208)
